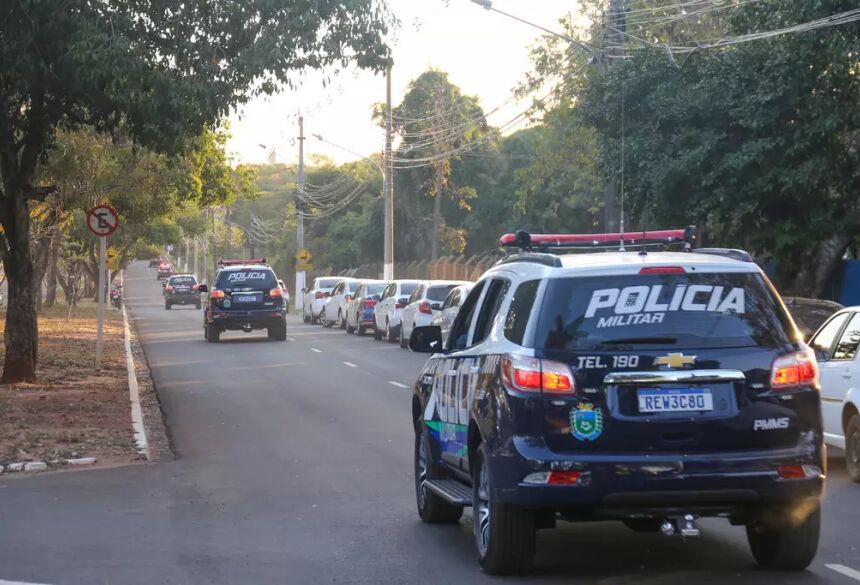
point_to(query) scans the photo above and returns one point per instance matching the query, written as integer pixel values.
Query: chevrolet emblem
(675, 360)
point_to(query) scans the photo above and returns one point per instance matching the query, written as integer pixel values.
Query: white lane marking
(847, 571)
(398, 384)
(2, 582)
(291, 338)
(350, 364)
(315, 350)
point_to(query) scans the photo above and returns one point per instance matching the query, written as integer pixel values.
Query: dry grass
(73, 410)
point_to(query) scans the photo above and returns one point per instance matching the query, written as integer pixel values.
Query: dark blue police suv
(653, 388)
(246, 297)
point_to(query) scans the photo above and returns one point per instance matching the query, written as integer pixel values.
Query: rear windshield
(438, 293)
(375, 289)
(666, 311)
(246, 279)
(182, 280)
(407, 288)
(327, 283)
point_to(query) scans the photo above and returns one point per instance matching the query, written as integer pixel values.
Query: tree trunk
(21, 334)
(816, 268)
(40, 267)
(51, 276)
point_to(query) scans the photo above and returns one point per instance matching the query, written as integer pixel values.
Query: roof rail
(543, 242)
(550, 260)
(732, 253)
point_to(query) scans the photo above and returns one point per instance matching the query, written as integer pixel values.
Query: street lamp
(488, 5)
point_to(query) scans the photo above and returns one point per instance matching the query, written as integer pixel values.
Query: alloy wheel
(482, 511)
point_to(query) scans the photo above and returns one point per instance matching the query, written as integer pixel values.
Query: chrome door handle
(846, 375)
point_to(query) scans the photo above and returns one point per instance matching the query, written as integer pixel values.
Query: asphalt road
(294, 465)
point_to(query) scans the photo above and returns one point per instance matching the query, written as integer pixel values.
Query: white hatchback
(386, 313)
(334, 309)
(424, 304)
(835, 344)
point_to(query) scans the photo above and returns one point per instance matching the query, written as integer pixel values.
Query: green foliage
(757, 142)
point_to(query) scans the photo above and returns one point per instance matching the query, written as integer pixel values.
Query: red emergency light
(525, 240)
(239, 261)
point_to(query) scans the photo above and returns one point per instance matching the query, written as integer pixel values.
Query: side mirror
(375, 298)
(426, 339)
(403, 301)
(305, 289)
(436, 306)
(202, 288)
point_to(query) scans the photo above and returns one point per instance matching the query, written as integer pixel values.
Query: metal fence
(449, 268)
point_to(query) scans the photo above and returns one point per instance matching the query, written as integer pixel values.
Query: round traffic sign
(102, 220)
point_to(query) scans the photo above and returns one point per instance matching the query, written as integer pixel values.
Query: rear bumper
(706, 484)
(257, 319)
(183, 299)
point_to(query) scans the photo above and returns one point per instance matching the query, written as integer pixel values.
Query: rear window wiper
(641, 340)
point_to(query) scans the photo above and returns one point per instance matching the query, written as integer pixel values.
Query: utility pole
(300, 218)
(252, 215)
(388, 187)
(611, 56)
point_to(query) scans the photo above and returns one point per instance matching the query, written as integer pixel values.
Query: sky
(485, 53)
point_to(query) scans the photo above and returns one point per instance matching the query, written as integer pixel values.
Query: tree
(163, 71)
(436, 123)
(758, 142)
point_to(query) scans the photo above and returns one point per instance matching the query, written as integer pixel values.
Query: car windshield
(246, 279)
(665, 311)
(326, 283)
(437, 294)
(407, 288)
(375, 288)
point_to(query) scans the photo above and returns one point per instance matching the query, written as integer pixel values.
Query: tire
(390, 334)
(341, 321)
(852, 448)
(213, 335)
(779, 544)
(360, 330)
(377, 332)
(197, 306)
(323, 319)
(349, 328)
(504, 535)
(404, 343)
(431, 508)
(167, 305)
(305, 318)
(278, 331)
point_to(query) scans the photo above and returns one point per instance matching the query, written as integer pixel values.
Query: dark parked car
(181, 289)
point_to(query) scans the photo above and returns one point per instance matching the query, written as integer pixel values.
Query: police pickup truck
(246, 296)
(645, 386)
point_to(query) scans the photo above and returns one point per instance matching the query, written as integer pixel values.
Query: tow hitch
(247, 328)
(684, 525)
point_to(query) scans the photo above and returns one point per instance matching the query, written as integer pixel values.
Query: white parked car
(314, 298)
(334, 309)
(450, 308)
(835, 344)
(424, 304)
(386, 313)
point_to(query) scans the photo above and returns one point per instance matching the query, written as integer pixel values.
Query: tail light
(555, 477)
(399, 306)
(524, 374)
(276, 292)
(369, 303)
(194, 287)
(794, 370)
(663, 270)
(319, 295)
(168, 288)
(424, 307)
(216, 294)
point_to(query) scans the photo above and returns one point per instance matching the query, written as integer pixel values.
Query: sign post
(102, 220)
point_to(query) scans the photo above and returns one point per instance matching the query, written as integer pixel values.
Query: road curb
(37, 466)
(133, 390)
